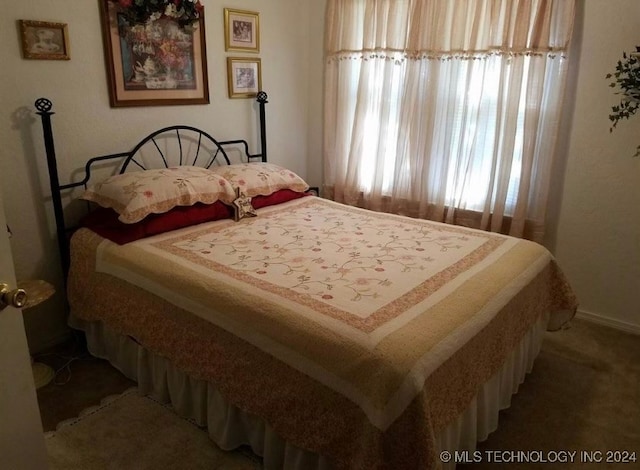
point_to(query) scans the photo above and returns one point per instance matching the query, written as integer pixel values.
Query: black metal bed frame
(44, 107)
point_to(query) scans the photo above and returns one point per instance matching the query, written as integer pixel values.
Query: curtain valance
(435, 28)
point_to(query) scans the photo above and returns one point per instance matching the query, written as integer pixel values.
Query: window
(437, 107)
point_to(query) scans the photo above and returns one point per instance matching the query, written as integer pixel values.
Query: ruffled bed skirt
(230, 427)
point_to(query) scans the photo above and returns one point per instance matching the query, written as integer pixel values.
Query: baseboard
(610, 322)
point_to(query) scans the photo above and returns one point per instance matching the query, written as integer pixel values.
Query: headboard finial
(262, 97)
(43, 105)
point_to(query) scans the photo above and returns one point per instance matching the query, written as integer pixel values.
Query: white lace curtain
(446, 109)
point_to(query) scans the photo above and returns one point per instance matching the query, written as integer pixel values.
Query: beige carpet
(132, 432)
(582, 395)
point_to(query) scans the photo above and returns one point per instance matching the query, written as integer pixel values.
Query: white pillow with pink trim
(261, 179)
(137, 194)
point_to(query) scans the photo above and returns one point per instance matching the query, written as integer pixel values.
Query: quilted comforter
(355, 334)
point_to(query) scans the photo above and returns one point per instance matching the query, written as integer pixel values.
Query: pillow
(256, 179)
(136, 195)
(278, 197)
(105, 221)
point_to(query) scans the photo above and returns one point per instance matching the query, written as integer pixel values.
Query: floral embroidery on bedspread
(363, 270)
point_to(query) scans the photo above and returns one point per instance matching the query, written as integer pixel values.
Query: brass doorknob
(14, 298)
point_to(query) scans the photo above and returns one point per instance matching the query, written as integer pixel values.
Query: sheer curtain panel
(446, 109)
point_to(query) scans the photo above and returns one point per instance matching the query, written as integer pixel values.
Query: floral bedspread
(382, 325)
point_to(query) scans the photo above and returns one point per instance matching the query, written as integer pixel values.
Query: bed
(319, 334)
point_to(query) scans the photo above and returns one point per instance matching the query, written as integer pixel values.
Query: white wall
(598, 237)
(316, 91)
(85, 125)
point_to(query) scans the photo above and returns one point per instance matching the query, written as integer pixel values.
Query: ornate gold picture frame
(43, 40)
(241, 30)
(244, 76)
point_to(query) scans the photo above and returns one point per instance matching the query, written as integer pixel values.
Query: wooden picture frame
(244, 76)
(154, 64)
(241, 30)
(43, 40)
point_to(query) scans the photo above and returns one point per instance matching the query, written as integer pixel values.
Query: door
(21, 437)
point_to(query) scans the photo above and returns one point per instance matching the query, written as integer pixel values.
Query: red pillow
(280, 196)
(105, 221)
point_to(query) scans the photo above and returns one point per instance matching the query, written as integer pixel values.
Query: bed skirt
(229, 427)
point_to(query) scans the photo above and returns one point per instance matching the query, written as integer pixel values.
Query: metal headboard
(132, 159)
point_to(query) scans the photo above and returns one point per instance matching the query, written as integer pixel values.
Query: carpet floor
(583, 395)
(129, 431)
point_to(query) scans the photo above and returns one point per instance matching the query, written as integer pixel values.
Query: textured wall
(316, 71)
(598, 236)
(85, 125)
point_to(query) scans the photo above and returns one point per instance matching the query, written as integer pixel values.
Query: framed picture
(244, 77)
(241, 30)
(154, 64)
(44, 40)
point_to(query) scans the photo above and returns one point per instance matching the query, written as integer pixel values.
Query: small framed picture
(244, 77)
(43, 40)
(242, 30)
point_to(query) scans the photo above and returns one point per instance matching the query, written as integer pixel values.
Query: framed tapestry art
(155, 63)
(244, 77)
(241, 30)
(44, 40)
